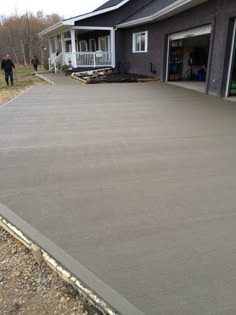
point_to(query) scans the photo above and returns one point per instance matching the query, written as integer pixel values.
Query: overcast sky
(63, 8)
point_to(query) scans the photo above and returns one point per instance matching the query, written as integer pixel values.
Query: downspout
(114, 48)
(211, 55)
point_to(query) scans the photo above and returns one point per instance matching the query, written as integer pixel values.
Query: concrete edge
(230, 99)
(18, 95)
(97, 293)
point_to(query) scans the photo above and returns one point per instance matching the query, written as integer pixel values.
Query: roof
(106, 7)
(159, 10)
(150, 8)
(108, 4)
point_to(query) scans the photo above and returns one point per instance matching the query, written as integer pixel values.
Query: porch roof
(55, 29)
(159, 10)
(68, 23)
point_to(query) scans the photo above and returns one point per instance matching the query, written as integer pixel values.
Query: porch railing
(94, 59)
(59, 60)
(82, 59)
(54, 62)
(51, 61)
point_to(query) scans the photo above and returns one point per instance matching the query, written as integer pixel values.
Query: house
(89, 40)
(179, 41)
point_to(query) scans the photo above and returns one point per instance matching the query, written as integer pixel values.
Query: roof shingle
(149, 9)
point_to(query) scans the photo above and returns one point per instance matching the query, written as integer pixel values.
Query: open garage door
(188, 54)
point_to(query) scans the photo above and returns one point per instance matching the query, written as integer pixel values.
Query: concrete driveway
(136, 182)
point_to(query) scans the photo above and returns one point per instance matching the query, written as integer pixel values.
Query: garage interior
(188, 62)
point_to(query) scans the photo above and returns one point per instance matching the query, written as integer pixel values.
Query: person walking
(35, 63)
(7, 66)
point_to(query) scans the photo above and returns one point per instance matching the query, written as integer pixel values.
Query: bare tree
(19, 35)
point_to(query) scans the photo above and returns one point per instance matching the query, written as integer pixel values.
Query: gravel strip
(27, 289)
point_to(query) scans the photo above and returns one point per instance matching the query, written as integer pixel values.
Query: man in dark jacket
(7, 65)
(35, 63)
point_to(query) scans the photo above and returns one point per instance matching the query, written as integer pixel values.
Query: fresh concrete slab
(134, 181)
(191, 85)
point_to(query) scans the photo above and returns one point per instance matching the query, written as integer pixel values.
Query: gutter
(50, 28)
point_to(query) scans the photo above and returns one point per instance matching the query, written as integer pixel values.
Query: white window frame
(135, 35)
(107, 41)
(81, 42)
(91, 41)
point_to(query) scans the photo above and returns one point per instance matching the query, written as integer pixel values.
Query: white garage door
(203, 30)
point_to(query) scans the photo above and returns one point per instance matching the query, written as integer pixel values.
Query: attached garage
(187, 57)
(188, 44)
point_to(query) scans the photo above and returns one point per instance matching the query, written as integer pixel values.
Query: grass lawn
(23, 79)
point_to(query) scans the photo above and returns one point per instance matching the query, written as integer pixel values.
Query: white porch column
(73, 47)
(50, 46)
(113, 47)
(56, 43)
(63, 46)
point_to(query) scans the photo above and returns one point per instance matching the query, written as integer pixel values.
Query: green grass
(22, 78)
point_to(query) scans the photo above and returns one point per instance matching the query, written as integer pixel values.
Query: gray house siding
(219, 14)
(221, 46)
(111, 19)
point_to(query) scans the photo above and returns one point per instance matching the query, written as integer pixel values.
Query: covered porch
(82, 47)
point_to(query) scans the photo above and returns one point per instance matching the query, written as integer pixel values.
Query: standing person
(35, 63)
(7, 66)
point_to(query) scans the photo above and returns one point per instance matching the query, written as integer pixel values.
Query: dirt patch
(125, 77)
(27, 289)
(109, 76)
(7, 94)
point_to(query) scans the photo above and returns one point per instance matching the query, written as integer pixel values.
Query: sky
(63, 8)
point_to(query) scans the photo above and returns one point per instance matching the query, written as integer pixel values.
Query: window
(104, 43)
(83, 45)
(140, 42)
(92, 44)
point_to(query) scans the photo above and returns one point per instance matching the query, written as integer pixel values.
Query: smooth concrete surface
(136, 182)
(191, 85)
(232, 98)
